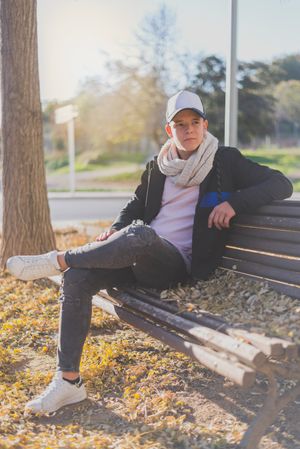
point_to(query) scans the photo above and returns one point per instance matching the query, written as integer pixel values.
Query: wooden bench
(264, 245)
(267, 245)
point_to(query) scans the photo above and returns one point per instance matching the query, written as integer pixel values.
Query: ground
(142, 395)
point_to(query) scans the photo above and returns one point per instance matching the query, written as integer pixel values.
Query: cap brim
(182, 109)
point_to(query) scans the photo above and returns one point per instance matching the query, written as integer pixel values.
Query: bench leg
(272, 406)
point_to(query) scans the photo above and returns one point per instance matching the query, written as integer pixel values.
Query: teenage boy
(174, 227)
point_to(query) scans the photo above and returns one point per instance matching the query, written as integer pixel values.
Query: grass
(296, 184)
(127, 174)
(286, 160)
(80, 167)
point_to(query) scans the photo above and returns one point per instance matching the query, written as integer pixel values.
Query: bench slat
(279, 210)
(238, 373)
(260, 270)
(247, 354)
(270, 346)
(272, 246)
(269, 221)
(280, 205)
(269, 234)
(267, 260)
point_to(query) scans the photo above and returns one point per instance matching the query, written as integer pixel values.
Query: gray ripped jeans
(133, 255)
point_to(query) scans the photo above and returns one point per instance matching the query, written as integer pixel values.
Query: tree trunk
(26, 216)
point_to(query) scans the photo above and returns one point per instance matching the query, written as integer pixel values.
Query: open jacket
(246, 185)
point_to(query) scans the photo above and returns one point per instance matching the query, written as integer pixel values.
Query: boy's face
(188, 130)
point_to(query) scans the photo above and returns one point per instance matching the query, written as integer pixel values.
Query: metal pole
(71, 148)
(231, 97)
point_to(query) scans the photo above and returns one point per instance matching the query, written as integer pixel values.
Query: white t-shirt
(174, 222)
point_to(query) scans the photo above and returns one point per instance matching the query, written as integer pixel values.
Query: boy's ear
(168, 130)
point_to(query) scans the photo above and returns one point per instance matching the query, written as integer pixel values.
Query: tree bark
(26, 217)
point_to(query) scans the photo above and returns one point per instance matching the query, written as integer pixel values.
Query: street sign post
(67, 114)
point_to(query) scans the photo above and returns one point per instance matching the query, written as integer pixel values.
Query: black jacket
(246, 185)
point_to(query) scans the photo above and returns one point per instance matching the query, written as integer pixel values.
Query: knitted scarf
(192, 171)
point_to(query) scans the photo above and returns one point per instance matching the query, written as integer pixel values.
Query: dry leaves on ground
(142, 395)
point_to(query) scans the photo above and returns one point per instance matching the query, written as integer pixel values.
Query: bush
(59, 162)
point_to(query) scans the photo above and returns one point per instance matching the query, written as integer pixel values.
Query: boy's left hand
(221, 215)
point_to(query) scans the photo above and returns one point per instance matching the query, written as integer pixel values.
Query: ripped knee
(143, 232)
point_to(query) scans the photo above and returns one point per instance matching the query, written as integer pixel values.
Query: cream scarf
(192, 171)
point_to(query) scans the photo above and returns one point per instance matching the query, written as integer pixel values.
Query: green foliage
(256, 105)
(288, 100)
(56, 162)
(60, 144)
(296, 185)
(107, 158)
(124, 111)
(209, 83)
(286, 68)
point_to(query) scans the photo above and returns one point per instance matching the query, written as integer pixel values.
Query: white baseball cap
(184, 100)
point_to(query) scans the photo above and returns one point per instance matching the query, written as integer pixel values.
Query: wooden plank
(269, 221)
(260, 270)
(281, 205)
(202, 317)
(285, 210)
(266, 260)
(269, 346)
(270, 234)
(276, 247)
(237, 372)
(274, 347)
(247, 354)
(291, 349)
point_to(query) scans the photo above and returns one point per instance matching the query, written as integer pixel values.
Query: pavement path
(92, 179)
(70, 209)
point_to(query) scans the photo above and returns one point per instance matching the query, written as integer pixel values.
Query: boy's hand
(221, 215)
(105, 235)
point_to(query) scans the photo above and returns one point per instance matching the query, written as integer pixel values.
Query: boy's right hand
(105, 235)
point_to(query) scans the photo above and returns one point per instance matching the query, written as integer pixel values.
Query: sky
(74, 35)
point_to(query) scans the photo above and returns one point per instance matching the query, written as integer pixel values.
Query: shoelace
(52, 387)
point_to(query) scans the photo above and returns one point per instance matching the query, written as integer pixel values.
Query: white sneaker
(29, 268)
(58, 394)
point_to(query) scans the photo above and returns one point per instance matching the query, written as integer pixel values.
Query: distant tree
(209, 83)
(287, 94)
(286, 68)
(26, 218)
(145, 78)
(156, 55)
(255, 104)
